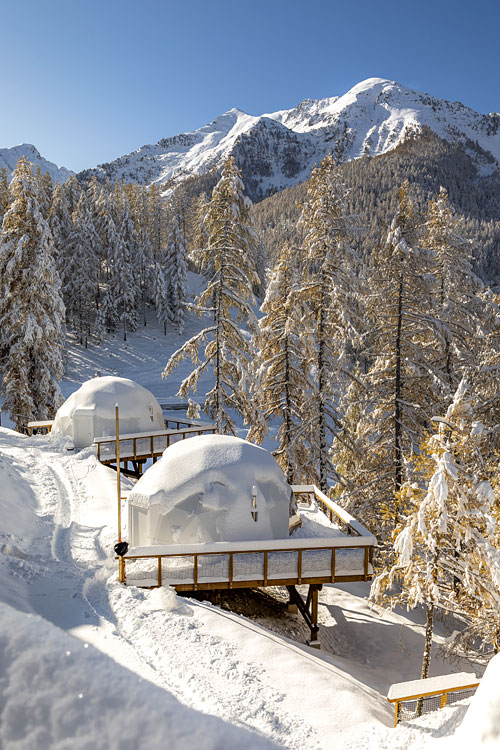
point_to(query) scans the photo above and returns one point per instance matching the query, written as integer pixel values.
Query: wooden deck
(275, 562)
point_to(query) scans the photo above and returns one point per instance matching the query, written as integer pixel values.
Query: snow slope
(188, 671)
(10, 156)
(278, 149)
(58, 511)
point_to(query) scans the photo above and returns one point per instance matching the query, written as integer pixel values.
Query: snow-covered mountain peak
(279, 148)
(10, 156)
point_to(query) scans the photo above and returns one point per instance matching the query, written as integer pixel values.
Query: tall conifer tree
(227, 297)
(31, 308)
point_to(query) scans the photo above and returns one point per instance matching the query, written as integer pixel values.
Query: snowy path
(171, 648)
(211, 660)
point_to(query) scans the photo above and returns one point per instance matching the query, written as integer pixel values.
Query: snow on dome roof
(201, 491)
(90, 411)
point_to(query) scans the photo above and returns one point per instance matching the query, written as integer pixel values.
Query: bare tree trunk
(323, 469)
(398, 452)
(426, 660)
(287, 413)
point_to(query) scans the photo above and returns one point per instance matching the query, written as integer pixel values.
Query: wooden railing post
(333, 564)
(265, 568)
(299, 566)
(195, 572)
(159, 571)
(230, 570)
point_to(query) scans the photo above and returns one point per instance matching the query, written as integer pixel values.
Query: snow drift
(59, 693)
(201, 491)
(90, 411)
(480, 728)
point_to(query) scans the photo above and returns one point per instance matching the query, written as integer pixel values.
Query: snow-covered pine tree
(156, 227)
(61, 226)
(283, 350)
(227, 297)
(125, 278)
(73, 190)
(402, 385)
(44, 190)
(145, 271)
(81, 275)
(445, 552)
(457, 302)
(107, 317)
(31, 308)
(176, 274)
(330, 290)
(199, 240)
(161, 296)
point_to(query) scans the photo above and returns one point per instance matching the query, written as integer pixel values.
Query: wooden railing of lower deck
(357, 539)
(300, 569)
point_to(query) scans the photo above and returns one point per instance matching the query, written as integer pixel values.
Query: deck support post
(308, 609)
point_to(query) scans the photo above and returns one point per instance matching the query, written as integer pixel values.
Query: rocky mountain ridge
(278, 149)
(10, 156)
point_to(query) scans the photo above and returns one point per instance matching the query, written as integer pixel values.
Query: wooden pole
(118, 478)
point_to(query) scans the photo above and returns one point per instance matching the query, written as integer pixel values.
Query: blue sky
(88, 81)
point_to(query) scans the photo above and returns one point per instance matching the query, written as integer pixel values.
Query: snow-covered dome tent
(203, 490)
(90, 411)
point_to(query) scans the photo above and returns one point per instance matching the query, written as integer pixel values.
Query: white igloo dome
(202, 490)
(90, 411)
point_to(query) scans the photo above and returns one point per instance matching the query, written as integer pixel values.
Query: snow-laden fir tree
(124, 280)
(31, 307)
(176, 274)
(199, 234)
(156, 227)
(44, 190)
(61, 226)
(227, 298)
(457, 302)
(161, 296)
(445, 553)
(145, 271)
(283, 350)
(81, 274)
(330, 290)
(403, 385)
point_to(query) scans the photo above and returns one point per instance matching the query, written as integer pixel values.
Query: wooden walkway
(139, 447)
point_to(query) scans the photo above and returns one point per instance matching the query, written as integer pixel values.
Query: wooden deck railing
(335, 513)
(412, 699)
(279, 562)
(45, 425)
(344, 558)
(141, 446)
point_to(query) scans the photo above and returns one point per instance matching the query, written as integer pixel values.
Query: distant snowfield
(88, 663)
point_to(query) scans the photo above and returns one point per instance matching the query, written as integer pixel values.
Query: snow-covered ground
(88, 663)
